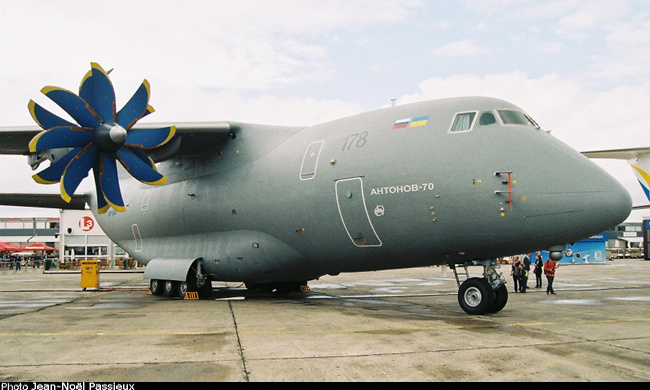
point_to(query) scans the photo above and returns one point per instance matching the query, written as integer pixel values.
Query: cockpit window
(487, 118)
(463, 121)
(514, 117)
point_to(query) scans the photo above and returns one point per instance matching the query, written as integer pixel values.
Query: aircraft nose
(611, 205)
(584, 200)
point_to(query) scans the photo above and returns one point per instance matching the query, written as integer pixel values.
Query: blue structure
(590, 250)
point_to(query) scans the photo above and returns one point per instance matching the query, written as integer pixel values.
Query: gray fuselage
(368, 193)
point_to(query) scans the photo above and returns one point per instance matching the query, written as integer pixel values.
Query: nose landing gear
(487, 294)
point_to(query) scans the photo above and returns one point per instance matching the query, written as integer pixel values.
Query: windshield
(514, 117)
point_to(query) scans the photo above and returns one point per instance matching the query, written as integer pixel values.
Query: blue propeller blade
(149, 110)
(97, 90)
(52, 174)
(135, 108)
(102, 206)
(149, 138)
(46, 119)
(77, 169)
(143, 171)
(75, 106)
(61, 137)
(143, 156)
(109, 183)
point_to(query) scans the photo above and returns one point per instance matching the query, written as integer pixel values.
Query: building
(81, 238)
(25, 231)
(75, 235)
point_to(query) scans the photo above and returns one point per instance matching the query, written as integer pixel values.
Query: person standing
(515, 273)
(549, 270)
(539, 266)
(525, 270)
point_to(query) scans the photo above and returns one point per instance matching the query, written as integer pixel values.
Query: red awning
(37, 247)
(5, 246)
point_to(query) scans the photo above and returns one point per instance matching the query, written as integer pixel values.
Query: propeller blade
(77, 169)
(46, 119)
(97, 90)
(61, 137)
(102, 206)
(135, 108)
(149, 138)
(109, 183)
(143, 156)
(75, 106)
(143, 171)
(52, 174)
(150, 110)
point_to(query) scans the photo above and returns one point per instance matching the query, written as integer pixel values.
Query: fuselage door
(354, 214)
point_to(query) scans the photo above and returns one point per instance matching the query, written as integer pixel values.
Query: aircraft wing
(192, 138)
(618, 154)
(50, 201)
(639, 160)
(15, 140)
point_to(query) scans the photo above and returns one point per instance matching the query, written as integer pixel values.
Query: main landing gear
(487, 294)
(197, 281)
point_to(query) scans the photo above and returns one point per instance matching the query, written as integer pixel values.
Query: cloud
(248, 45)
(464, 48)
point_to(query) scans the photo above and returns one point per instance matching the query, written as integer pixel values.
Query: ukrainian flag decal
(419, 121)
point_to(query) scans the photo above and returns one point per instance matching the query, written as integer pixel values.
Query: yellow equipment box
(89, 274)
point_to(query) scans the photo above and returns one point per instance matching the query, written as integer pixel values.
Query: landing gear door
(354, 214)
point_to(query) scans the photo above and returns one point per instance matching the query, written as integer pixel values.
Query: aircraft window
(487, 118)
(513, 117)
(463, 121)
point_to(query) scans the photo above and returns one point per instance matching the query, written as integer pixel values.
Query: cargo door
(354, 214)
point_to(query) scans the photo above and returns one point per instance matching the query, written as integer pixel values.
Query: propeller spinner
(102, 137)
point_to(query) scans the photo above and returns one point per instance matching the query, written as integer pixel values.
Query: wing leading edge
(190, 137)
(639, 160)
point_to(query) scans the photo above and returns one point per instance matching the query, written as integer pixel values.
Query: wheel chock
(305, 289)
(193, 295)
(149, 291)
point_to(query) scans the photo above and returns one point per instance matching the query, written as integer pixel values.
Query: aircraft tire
(182, 289)
(196, 283)
(475, 296)
(170, 288)
(156, 286)
(500, 299)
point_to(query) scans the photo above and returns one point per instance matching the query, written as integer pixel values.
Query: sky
(578, 67)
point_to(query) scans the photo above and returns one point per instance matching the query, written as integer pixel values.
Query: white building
(76, 235)
(81, 238)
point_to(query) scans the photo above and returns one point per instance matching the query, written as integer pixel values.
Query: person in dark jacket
(524, 276)
(539, 266)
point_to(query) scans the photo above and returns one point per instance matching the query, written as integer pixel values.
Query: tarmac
(400, 325)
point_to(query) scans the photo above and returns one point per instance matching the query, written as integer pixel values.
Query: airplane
(457, 181)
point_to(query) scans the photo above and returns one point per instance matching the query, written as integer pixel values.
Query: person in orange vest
(550, 266)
